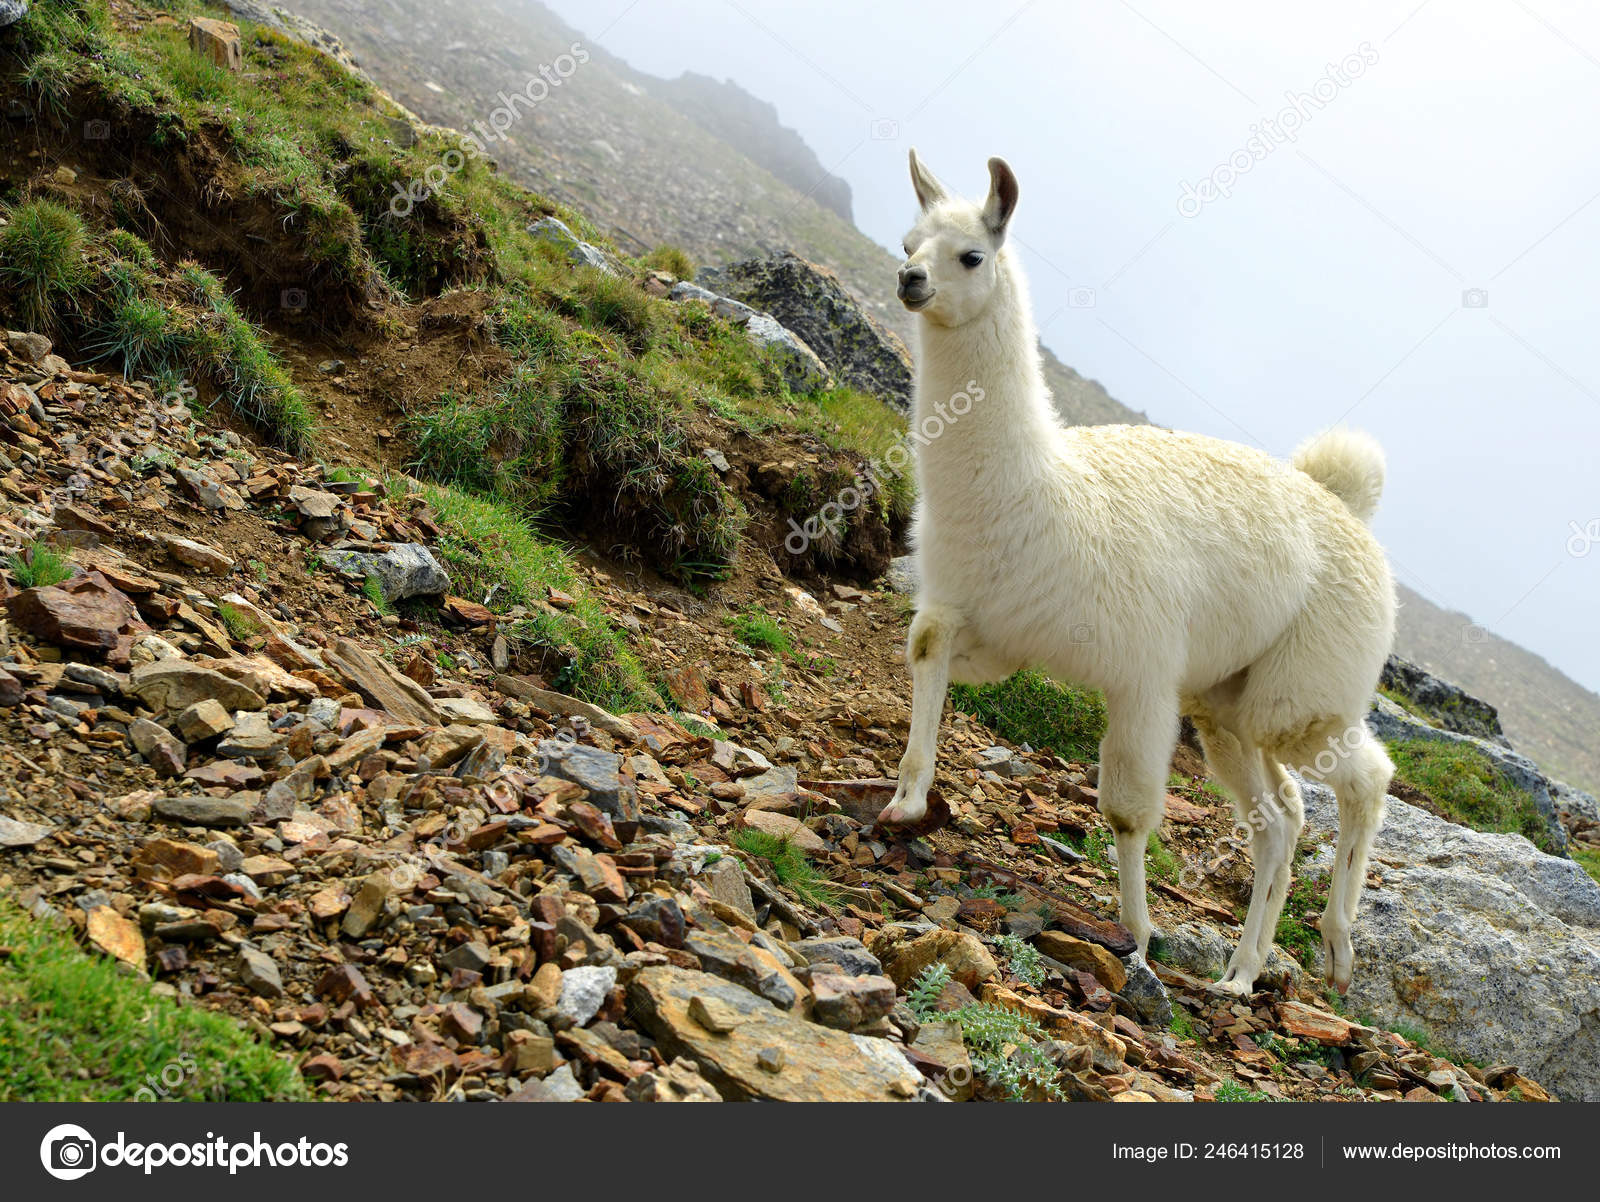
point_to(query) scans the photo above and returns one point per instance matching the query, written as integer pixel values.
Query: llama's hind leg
(1134, 757)
(928, 649)
(1360, 783)
(1274, 817)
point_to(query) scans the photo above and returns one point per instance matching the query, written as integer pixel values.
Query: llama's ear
(1002, 200)
(929, 190)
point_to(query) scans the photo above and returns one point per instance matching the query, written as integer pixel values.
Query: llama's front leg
(1140, 733)
(933, 633)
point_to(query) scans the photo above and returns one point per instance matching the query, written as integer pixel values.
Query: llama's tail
(1348, 464)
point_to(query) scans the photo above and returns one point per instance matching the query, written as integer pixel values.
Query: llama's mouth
(918, 300)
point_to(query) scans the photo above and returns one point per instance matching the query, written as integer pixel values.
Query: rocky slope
(405, 860)
(617, 144)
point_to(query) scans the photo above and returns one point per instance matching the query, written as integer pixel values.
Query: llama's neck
(994, 360)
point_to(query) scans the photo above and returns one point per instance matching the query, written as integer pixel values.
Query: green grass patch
(38, 567)
(1030, 708)
(759, 630)
(238, 623)
(490, 548)
(1294, 932)
(673, 260)
(74, 1029)
(789, 865)
(1465, 784)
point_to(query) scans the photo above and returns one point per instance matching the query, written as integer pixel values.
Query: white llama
(1178, 573)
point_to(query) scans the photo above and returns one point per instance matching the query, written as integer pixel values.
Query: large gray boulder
(810, 301)
(12, 11)
(1484, 941)
(403, 571)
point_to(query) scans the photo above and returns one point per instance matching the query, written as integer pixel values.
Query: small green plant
(759, 630)
(1232, 1091)
(372, 590)
(926, 989)
(1162, 863)
(38, 567)
(446, 661)
(1022, 959)
(240, 625)
(1182, 1025)
(789, 865)
(993, 892)
(42, 265)
(1307, 896)
(260, 569)
(1587, 858)
(1002, 1043)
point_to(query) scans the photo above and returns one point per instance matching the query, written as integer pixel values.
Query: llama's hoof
(903, 811)
(1236, 982)
(1338, 958)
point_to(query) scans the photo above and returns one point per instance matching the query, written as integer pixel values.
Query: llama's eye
(972, 258)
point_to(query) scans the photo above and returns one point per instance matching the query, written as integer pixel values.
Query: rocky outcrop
(1391, 723)
(802, 370)
(1447, 706)
(811, 301)
(12, 11)
(1482, 940)
(554, 231)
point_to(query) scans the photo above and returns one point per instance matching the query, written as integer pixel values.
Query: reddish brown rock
(87, 613)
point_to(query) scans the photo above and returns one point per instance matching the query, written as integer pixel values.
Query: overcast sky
(1421, 260)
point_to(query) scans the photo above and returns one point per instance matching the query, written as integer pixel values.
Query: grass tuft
(39, 567)
(42, 262)
(790, 866)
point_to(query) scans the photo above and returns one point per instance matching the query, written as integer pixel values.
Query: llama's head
(952, 253)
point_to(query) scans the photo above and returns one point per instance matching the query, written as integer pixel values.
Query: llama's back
(1236, 544)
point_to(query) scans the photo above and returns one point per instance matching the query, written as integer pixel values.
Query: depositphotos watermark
(1272, 132)
(895, 462)
(475, 143)
(68, 1152)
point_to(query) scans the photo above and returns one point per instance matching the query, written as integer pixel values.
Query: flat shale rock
(817, 1064)
(174, 684)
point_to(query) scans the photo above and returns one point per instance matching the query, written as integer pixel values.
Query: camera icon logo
(96, 130)
(1082, 632)
(1080, 298)
(1474, 635)
(294, 299)
(1475, 298)
(68, 1152)
(884, 129)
